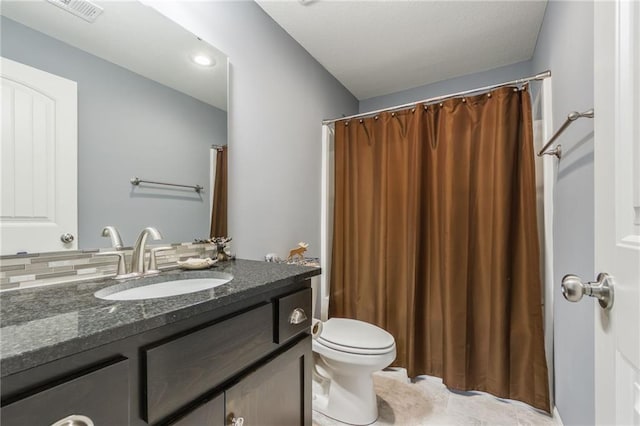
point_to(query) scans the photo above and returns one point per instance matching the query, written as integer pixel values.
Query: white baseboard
(556, 417)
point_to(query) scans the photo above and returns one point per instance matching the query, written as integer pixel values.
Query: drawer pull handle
(74, 420)
(239, 421)
(297, 316)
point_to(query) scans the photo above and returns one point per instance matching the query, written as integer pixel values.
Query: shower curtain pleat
(435, 240)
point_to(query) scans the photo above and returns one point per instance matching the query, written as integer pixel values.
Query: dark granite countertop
(42, 324)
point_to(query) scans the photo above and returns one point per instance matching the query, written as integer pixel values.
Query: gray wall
(458, 84)
(278, 96)
(565, 45)
(129, 126)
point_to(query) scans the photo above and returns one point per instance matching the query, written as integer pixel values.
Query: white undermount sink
(163, 289)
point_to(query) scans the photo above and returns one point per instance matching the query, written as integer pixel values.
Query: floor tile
(426, 401)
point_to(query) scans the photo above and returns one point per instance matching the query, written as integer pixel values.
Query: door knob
(67, 238)
(573, 289)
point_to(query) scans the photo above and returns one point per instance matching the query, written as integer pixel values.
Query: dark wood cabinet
(278, 393)
(249, 362)
(183, 369)
(101, 396)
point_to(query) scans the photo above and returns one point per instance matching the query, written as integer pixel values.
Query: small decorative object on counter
(298, 251)
(222, 245)
(197, 263)
(296, 257)
(272, 257)
(202, 241)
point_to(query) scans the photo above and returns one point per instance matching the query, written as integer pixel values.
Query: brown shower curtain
(219, 202)
(435, 240)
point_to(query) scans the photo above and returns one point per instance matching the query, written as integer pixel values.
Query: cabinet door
(100, 397)
(278, 393)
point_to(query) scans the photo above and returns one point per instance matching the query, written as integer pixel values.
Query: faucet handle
(153, 266)
(121, 272)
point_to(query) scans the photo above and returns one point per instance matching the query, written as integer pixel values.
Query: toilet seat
(355, 337)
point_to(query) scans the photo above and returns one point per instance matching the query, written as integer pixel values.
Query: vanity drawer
(101, 395)
(294, 315)
(185, 368)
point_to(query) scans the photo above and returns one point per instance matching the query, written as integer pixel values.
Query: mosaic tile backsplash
(30, 270)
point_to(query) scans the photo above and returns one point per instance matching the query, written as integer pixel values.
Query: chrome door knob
(573, 289)
(67, 238)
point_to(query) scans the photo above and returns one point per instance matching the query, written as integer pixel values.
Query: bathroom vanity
(226, 356)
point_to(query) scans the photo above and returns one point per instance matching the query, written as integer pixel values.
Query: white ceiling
(135, 37)
(379, 47)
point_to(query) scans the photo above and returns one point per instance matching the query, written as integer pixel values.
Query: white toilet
(346, 354)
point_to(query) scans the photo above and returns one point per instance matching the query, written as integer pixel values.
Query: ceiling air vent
(81, 8)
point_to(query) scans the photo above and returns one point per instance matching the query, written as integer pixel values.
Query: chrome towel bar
(137, 181)
(557, 151)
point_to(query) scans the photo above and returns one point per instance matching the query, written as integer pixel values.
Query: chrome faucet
(116, 241)
(137, 257)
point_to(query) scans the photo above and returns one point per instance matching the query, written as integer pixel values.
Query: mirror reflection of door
(38, 159)
(152, 99)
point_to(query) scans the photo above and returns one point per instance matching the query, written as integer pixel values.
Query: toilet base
(346, 398)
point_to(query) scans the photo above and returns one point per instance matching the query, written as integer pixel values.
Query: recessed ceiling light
(203, 60)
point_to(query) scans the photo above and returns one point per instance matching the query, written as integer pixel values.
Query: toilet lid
(351, 335)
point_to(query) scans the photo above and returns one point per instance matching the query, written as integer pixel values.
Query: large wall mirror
(151, 104)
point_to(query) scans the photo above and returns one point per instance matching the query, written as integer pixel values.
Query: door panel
(617, 202)
(38, 156)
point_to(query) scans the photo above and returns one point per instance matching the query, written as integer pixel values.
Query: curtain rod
(539, 76)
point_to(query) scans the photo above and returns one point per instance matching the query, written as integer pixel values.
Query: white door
(617, 209)
(38, 156)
